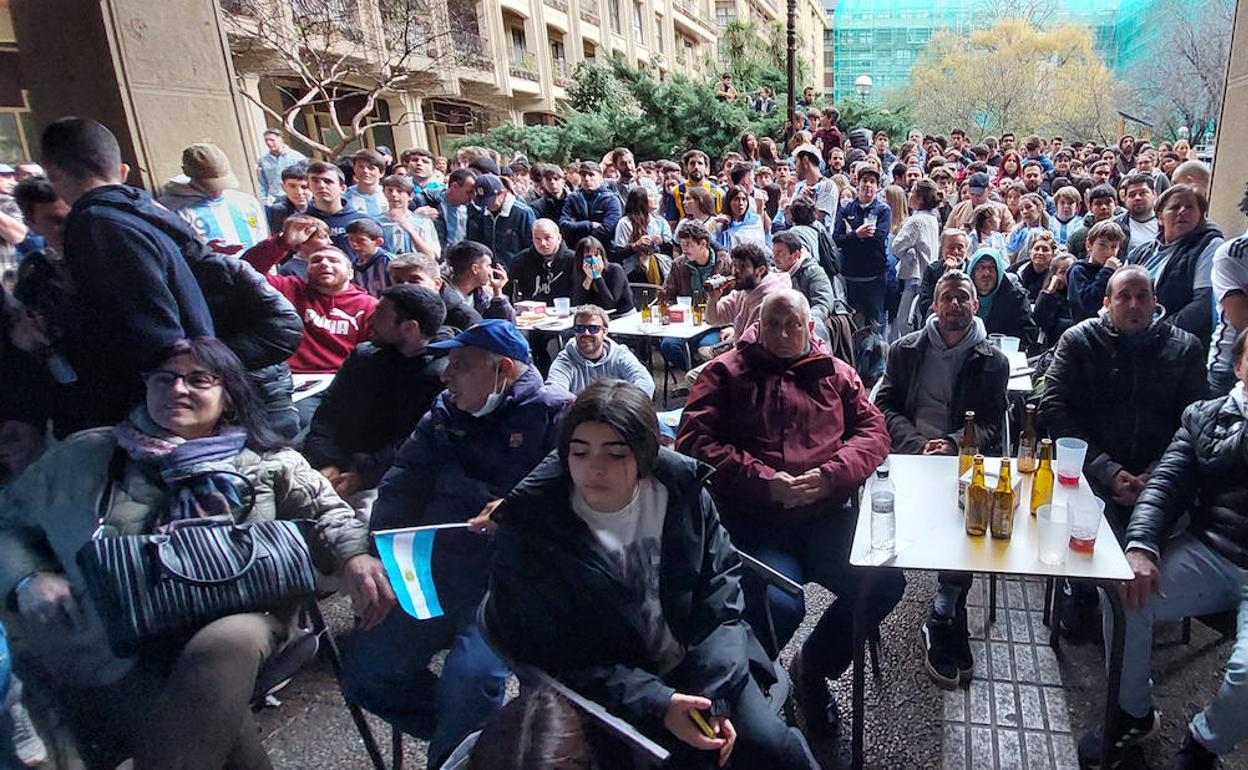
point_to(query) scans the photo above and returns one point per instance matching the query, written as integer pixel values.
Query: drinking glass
(1085, 522)
(1069, 462)
(563, 306)
(1053, 530)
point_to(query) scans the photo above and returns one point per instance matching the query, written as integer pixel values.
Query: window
(517, 39)
(658, 35)
(724, 14)
(613, 9)
(639, 33)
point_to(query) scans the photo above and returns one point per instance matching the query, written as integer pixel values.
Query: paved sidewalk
(1025, 709)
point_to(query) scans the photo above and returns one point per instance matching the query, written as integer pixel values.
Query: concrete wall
(158, 74)
(1230, 161)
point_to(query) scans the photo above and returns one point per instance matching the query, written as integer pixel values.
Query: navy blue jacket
(595, 214)
(1085, 288)
(454, 463)
(505, 235)
(863, 257)
(134, 295)
(338, 224)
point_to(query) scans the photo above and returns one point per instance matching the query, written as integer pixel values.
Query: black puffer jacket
(555, 603)
(1122, 395)
(1204, 471)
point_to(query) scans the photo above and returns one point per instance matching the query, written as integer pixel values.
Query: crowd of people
(347, 347)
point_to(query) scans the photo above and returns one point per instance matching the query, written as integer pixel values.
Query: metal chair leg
(396, 748)
(330, 650)
(873, 647)
(992, 599)
(1049, 586)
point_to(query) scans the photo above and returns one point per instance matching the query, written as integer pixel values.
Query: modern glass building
(882, 38)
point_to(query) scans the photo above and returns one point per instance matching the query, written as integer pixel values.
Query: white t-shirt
(1230, 273)
(1141, 232)
(631, 541)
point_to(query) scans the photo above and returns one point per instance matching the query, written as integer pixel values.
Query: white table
(931, 535)
(632, 326)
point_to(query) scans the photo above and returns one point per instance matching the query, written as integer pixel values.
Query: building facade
(882, 38)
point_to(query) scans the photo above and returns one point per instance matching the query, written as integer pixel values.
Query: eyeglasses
(196, 380)
(587, 328)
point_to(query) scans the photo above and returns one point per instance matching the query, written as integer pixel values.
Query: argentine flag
(407, 555)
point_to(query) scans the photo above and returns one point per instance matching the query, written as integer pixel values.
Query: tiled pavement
(1014, 714)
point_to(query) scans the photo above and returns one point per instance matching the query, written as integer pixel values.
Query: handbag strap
(116, 468)
(165, 547)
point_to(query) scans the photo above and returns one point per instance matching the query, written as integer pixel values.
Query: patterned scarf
(200, 472)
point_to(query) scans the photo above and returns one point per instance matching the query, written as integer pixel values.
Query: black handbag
(163, 587)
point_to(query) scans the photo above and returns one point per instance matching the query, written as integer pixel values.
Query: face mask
(492, 401)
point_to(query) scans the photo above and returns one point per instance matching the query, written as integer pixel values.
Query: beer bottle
(1042, 482)
(978, 500)
(968, 447)
(645, 307)
(1028, 442)
(663, 307)
(1002, 518)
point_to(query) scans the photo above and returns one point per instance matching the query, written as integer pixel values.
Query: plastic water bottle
(883, 517)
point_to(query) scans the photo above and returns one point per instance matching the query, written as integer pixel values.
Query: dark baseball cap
(488, 185)
(495, 335)
(978, 183)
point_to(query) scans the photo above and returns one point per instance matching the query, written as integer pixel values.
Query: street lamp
(862, 85)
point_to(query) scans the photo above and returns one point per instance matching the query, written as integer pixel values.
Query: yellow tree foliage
(1015, 77)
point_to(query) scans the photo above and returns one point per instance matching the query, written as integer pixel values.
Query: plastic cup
(686, 301)
(996, 340)
(563, 306)
(1009, 344)
(1053, 534)
(1085, 522)
(869, 219)
(1069, 462)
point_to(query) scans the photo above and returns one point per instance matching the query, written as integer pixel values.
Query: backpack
(869, 353)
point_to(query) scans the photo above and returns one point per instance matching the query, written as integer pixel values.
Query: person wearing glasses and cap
(590, 355)
(492, 425)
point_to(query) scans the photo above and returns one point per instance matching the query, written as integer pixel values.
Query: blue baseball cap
(495, 335)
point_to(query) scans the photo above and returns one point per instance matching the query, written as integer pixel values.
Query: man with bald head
(784, 492)
(543, 271)
(1195, 173)
(1120, 381)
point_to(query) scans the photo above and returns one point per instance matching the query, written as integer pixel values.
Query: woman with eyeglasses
(198, 447)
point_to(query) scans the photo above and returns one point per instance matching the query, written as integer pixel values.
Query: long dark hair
(624, 408)
(745, 146)
(583, 247)
(637, 209)
(536, 731)
(244, 407)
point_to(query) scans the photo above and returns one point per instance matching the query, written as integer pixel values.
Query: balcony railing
(342, 15)
(472, 50)
(688, 9)
(558, 5)
(563, 75)
(523, 65)
(589, 10)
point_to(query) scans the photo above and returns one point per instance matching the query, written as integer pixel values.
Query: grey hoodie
(937, 373)
(573, 372)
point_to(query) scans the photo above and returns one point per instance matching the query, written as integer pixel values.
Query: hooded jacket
(506, 232)
(979, 386)
(573, 372)
(233, 216)
(1006, 310)
(454, 463)
(1086, 284)
(741, 307)
(1122, 394)
(811, 280)
(750, 414)
(1186, 306)
(374, 403)
(555, 603)
(680, 281)
(337, 224)
(333, 324)
(133, 295)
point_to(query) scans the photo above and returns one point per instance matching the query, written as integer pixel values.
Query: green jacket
(49, 512)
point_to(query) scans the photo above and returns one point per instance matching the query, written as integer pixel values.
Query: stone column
(159, 75)
(1230, 160)
(410, 133)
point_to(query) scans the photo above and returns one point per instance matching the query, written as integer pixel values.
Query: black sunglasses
(587, 328)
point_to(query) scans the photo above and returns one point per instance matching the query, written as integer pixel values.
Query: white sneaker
(27, 744)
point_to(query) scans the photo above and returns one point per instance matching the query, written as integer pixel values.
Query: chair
(639, 293)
